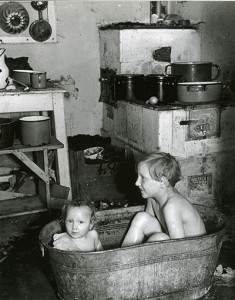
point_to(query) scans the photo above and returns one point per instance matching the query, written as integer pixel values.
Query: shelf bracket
(32, 166)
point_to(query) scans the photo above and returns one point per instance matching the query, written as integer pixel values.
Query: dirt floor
(24, 275)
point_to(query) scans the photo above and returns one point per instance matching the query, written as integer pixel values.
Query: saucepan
(30, 78)
(194, 71)
(199, 92)
(35, 130)
(129, 87)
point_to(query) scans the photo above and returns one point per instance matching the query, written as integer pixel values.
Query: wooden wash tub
(174, 269)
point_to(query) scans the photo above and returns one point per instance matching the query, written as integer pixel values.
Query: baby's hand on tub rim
(62, 241)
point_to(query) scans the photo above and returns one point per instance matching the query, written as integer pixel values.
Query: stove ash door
(201, 131)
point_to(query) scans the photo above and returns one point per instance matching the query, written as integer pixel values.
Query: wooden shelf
(21, 206)
(41, 167)
(55, 144)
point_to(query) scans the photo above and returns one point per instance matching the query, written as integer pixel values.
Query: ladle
(40, 30)
(26, 87)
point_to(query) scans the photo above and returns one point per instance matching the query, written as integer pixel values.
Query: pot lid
(190, 62)
(200, 83)
(162, 76)
(34, 118)
(129, 76)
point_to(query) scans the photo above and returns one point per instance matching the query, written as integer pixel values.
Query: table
(44, 101)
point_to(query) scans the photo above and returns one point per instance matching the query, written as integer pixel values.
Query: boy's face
(147, 185)
(78, 221)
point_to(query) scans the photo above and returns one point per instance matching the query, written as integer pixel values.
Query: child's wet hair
(162, 164)
(77, 203)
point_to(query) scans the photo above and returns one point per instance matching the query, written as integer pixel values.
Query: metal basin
(174, 269)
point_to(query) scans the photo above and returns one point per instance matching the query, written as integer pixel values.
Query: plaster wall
(217, 33)
(76, 55)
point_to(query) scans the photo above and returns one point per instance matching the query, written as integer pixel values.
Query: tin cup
(38, 80)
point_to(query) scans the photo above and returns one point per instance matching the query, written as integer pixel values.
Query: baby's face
(78, 221)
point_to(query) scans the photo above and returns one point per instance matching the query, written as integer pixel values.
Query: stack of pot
(152, 88)
(196, 83)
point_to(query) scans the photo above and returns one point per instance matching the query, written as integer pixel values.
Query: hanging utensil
(40, 30)
(14, 18)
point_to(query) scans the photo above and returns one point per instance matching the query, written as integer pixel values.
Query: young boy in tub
(168, 215)
(78, 217)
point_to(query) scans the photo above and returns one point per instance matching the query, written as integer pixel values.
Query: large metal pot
(7, 129)
(199, 92)
(35, 130)
(194, 71)
(164, 87)
(129, 87)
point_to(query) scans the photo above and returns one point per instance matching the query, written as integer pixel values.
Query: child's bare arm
(62, 241)
(98, 245)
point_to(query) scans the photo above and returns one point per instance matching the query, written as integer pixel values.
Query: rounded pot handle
(166, 67)
(218, 71)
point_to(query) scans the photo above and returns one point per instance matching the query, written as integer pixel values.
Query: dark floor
(24, 275)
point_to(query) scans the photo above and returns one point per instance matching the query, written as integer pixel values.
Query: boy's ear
(164, 180)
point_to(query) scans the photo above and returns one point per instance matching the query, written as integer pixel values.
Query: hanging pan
(40, 30)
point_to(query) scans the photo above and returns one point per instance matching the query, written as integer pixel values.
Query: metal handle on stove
(188, 122)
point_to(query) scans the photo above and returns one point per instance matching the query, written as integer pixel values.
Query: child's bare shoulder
(93, 233)
(174, 201)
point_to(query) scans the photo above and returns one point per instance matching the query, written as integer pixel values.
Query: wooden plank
(46, 170)
(34, 211)
(5, 195)
(31, 165)
(55, 144)
(25, 102)
(7, 178)
(21, 205)
(60, 130)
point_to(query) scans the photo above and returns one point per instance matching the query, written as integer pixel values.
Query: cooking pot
(35, 130)
(199, 92)
(38, 80)
(193, 71)
(164, 87)
(129, 87)
(7, 129)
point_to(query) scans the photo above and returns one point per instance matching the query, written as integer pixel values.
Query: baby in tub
(168, 215)
(78, 217)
